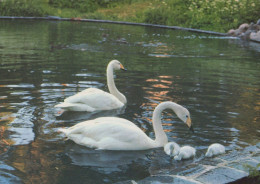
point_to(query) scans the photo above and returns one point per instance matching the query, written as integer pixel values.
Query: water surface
(43, 62)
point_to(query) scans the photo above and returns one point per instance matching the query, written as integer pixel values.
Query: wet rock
(166, 179)
(193, 170)
(229, 167)
(126, 182)
(221, 175)
(258, 22)
(255, 36)
(211, 161)
(243, 164)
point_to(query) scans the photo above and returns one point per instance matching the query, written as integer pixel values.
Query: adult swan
(112, 133)
(93, 99)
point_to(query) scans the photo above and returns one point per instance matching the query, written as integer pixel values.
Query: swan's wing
(108, 135)
(95, 98)
(114, 120)
(83, 96)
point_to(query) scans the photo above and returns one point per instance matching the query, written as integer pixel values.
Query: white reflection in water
(103, 160)
(22, 127)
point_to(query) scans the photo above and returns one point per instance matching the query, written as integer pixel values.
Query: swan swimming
(186, 152)
(93, 99)
(215, 149)
(112, 133)
(179, 153)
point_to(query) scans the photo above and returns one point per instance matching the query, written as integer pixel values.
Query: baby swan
(186, 152)
(215, 149)
(174, 150)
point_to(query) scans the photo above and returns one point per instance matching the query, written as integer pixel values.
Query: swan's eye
(187, 116)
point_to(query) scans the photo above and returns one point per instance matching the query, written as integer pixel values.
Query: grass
(215, 15)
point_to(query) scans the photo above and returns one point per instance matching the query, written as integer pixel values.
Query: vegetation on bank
(215, 15)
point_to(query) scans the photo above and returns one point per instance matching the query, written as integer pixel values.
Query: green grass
(215, 15)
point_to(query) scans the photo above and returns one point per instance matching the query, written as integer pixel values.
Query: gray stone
(258, 22)
(234, 155)
(256, 157)
(126, 182)
(213, 161)
(166, 179)
(221, 175)
(192, 170)
(242, 164)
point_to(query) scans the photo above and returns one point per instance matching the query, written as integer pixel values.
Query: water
(42, 62)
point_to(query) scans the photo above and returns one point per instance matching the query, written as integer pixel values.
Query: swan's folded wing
(84, 95)
(96, 99)
(111, 136)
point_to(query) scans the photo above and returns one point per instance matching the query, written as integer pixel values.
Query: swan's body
(215, 149)
(93, 99)
(179, 153)
(185, 152)
(113, 133)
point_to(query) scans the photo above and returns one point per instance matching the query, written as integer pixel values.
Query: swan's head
(117, 65)
(184, 115)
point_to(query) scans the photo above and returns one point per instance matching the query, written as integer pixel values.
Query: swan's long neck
(160, 137)
(111, 85)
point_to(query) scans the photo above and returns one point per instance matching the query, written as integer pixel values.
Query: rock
(247, 32)
(221, 175)
(255, 36)
(231, 32)
(243, 27)
(258, 22)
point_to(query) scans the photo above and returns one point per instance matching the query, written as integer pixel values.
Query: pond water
(43, 62)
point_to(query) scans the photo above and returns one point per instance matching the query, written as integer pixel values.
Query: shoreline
(116, 22)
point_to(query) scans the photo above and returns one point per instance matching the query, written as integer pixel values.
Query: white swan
(215, 149)
(93, 99)
(112, 133)
(179, 153)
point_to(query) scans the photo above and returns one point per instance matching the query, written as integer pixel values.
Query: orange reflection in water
(161, 82)
(157, 90)
(5, 119)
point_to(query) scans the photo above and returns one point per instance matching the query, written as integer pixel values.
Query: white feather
(215, 149)
(186, 152)
(171, 148)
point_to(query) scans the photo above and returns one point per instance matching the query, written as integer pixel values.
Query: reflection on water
(106, 161)
(43, 62)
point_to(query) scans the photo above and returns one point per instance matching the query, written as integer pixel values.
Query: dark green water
(42, 62)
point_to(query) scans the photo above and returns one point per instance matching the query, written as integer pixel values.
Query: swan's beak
(188, 122)
(191, 129)
(122, 67)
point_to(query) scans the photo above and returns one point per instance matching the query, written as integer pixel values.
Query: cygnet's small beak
(171, 151)
(122, 67)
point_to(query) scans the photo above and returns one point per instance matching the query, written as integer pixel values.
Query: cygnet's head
(117, 65)
(172, 149)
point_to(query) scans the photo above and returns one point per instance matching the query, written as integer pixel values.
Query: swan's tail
(63, 130)
(64, 105)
